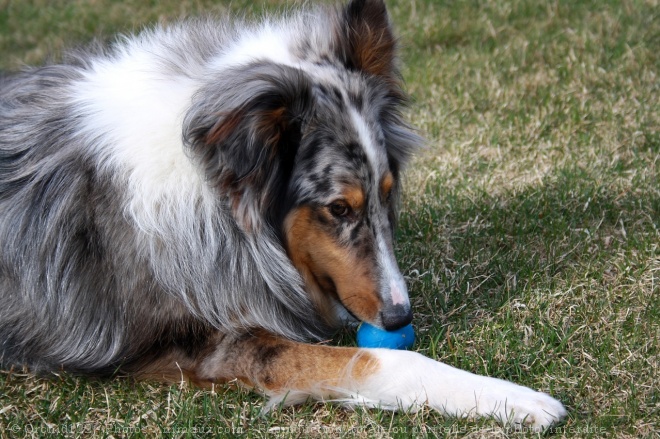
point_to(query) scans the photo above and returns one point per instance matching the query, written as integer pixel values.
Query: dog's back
(57, 287)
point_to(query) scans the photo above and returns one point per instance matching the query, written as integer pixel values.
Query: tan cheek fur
(316, 255)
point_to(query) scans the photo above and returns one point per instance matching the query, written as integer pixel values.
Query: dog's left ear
(365, 40)
(245, 130)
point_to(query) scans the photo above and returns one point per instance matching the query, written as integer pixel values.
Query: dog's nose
(396, 317)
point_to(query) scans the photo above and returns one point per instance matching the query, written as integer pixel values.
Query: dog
(206, 199)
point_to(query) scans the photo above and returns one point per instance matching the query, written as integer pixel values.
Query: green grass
(529, 233)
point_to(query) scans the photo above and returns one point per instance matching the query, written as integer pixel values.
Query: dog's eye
(339, 209)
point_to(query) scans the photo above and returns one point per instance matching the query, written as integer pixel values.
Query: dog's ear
(245, 131)
(365, 40)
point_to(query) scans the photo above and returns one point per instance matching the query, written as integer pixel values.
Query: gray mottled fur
(84, 287)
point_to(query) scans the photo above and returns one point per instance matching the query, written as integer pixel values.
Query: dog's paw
(516, 406)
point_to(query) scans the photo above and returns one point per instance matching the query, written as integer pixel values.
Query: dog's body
(202, 199)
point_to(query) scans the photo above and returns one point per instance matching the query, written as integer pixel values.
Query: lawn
(529, 231)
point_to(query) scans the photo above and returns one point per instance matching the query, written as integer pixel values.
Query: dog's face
(339, 230)
(315, 154)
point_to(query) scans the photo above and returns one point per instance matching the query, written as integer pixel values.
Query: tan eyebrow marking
(354, 196)
(386, 183)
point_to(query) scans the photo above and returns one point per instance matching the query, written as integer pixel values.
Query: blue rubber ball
(369, 336)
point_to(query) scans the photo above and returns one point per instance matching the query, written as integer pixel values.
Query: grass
(529, 233)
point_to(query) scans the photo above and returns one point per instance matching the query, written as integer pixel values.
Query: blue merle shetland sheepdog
(205, 198)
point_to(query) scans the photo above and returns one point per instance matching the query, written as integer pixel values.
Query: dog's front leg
(291, 372)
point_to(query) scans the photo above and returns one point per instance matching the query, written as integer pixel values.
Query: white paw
(515, 405)
(408, 380)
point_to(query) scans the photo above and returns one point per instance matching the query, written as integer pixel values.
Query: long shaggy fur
(143, 185)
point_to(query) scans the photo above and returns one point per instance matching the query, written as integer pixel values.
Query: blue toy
(369, 336)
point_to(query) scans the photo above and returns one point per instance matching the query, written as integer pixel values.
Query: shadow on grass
(571, 225)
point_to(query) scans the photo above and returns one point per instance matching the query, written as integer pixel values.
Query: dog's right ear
(245, 130)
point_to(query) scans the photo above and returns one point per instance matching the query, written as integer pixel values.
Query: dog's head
(315, 153)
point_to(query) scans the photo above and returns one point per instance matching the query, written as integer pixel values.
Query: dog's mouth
(328, 286)
(341, 313)
(337, 312)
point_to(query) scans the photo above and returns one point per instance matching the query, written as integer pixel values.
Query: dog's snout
(396, 317)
